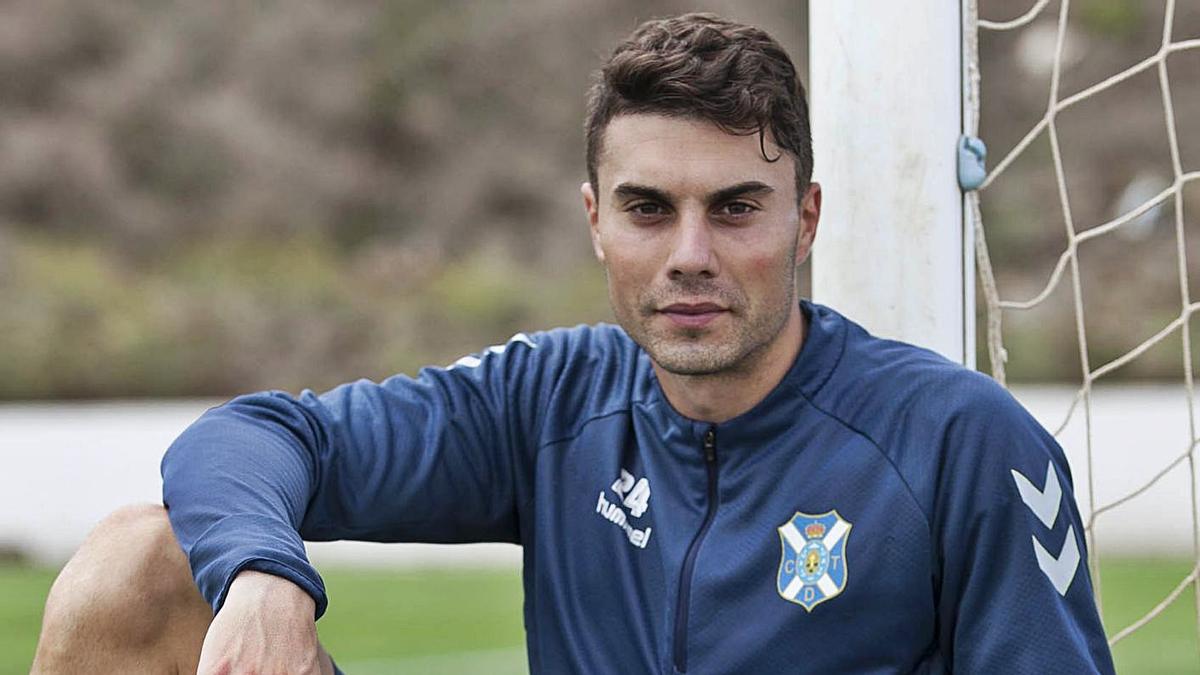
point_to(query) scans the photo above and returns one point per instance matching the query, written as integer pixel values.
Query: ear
(810, 215)
(593, 213)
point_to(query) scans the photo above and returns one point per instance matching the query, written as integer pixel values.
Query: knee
(123, 582)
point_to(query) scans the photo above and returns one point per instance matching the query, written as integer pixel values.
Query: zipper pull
(710, 446)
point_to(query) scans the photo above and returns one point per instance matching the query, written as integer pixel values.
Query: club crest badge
(812, 567)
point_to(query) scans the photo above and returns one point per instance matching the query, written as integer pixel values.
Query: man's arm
(1015, 594)
(437, 458)
(267, 626)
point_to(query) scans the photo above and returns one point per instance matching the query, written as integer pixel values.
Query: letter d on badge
(812, 565)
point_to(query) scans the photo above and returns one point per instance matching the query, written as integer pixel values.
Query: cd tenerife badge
(812, 567)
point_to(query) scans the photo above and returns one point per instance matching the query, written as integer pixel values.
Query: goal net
(1147, 210)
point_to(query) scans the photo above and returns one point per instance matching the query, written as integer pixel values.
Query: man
(731, 482)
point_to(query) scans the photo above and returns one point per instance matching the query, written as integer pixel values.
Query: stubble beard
(696, 352)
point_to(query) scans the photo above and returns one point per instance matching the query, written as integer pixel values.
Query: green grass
(22, 594)
(1167, 645)
(440, 623)
(376, 616)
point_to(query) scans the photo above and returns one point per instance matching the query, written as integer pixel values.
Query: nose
(692, 252)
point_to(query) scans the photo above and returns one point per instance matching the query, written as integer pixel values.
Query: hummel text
(616, 515)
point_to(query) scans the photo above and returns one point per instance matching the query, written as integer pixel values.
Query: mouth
(692, 315)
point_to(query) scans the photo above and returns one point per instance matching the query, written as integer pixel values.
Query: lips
(692, 315)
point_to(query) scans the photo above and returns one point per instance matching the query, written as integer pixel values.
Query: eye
(647, 210)
(737, 209)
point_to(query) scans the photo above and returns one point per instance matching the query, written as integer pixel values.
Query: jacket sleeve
(1014, 593)
(438, 458)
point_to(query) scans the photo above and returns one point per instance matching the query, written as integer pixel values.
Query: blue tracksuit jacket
(881, 511)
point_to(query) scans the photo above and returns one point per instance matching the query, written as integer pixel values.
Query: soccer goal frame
(894, 250)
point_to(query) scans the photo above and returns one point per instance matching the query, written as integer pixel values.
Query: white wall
(66, 465)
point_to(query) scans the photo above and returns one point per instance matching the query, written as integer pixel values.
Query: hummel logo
(1044, 503)
(634, 495)
(1060, 570)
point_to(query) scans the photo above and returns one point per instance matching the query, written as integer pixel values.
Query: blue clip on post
(972, 155)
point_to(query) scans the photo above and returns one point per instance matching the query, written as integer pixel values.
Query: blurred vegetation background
(204, 199)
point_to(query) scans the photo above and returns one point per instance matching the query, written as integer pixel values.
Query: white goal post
(894, 86)
(892, 251)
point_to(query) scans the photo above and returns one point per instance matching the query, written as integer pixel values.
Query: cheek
(763, 249)
(766, 276)
(630, 258)
(627, 274)
(766, 264)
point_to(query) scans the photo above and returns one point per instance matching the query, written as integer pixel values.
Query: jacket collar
(819, 355)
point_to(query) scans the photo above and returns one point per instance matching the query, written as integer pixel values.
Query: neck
(722, 396)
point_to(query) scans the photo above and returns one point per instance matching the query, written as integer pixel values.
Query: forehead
(685, 154)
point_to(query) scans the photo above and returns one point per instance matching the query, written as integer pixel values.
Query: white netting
(1069, 260)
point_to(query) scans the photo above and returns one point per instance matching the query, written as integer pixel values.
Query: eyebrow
(753, 187)
(631, 190)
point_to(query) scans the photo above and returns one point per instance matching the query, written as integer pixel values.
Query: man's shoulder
(582, 339)
(875, 375)
(575, 346)
(585, 370)
(932, 418)
(585, 348)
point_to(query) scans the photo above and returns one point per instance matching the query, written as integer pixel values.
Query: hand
(265, 626)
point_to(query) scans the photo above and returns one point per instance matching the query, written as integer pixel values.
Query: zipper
(689, 561)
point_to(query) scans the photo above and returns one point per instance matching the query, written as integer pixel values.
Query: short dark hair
(703, 66)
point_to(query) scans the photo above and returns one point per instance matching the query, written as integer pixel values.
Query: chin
(693, 360)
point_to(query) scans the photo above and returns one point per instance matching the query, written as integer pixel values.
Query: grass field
(438, 623)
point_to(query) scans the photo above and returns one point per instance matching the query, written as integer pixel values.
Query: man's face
(700, 237)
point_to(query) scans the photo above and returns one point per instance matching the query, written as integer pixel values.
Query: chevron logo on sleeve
(1045, 503)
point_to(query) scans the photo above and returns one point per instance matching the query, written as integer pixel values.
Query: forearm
(265, 626)
(236, 484)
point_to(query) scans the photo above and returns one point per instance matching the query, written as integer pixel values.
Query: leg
(126, 603)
